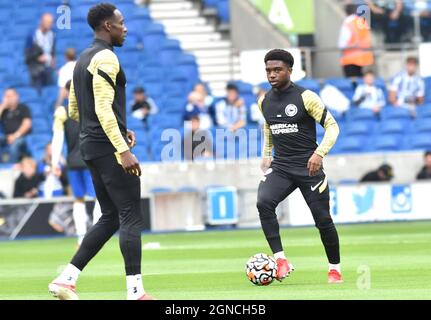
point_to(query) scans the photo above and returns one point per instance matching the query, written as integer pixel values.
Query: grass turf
(395, 257)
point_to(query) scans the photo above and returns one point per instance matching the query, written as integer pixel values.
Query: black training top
(97, 100)
(290, 126)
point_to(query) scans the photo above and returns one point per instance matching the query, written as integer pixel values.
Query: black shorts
(277, 184)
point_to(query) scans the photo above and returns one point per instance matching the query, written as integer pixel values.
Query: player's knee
(265, 206)
(321, 215)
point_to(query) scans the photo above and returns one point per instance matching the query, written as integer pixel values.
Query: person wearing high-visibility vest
(355, 43)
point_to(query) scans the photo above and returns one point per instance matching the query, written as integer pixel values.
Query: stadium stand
(168, 68)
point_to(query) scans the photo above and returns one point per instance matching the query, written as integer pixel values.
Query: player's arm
(60, 117)
(104, 67)
(267, 138)
(73, 104)
(316, 109)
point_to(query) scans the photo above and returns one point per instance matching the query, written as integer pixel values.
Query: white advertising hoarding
(368, 203)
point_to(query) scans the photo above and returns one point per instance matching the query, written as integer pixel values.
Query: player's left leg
(316, 193)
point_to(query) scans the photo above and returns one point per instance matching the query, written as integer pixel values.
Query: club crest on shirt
(291, 110)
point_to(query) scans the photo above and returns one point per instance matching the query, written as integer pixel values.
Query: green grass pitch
(379, 261)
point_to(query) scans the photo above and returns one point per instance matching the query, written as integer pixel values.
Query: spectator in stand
(40, 53)
(143, 106)
(383, 173)
(231, 112)
(355, 43)
(16, 122)
(387, 16)
(425, 172)
(65, 74)
(196, 106)
(255, 113)
(27, 184)
(197, 141)
(54, 180)
(407, 89)
(368, 96)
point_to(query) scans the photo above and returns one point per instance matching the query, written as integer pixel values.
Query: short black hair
(427, 153)
(280, 55)
(99, 13)
(67, 85)
(350, 9)
(232, 86)
(139, 89)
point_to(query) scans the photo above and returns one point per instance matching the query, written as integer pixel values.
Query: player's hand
(131, 138)
(130, 163)
(266, 163)
(314, 164)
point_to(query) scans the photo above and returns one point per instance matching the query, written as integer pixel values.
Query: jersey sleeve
(267, 137)
(316, 109)
(60, 117)
(73, 105)
(104, 67)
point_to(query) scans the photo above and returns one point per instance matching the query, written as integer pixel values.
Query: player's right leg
(274, 188)
(93, 241)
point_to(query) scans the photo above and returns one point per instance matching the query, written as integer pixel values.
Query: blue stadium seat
(390, 112)
(350, 144)
(153, 37)
(161, 190)
(186, 64)
(340, 83)
(424, 111)
(387, 143)
(343, 84)
(395, 126)
(358, 114)
(153, 89)
(28, 94)
(427, 81)
(358, 128)
(26, 14)
(423, 125)
(41, 125)
(211, 3)
(223, 10)
(174, 105)
(170, 50)
(307, 83)
(420, 141)
(171, 90)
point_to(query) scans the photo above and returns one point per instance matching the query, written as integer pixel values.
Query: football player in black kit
(291, 113)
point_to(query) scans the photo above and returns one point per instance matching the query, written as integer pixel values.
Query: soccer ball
(261, 269)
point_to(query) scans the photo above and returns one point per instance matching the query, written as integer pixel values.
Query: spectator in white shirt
(231, 112)
(368, 96)
(407, 89)
(65, 74)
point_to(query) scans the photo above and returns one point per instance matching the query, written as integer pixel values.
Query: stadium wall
(251, 30)
(245, 174)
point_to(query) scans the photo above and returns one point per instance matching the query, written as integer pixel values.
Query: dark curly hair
(280, 55)
(99, 13)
